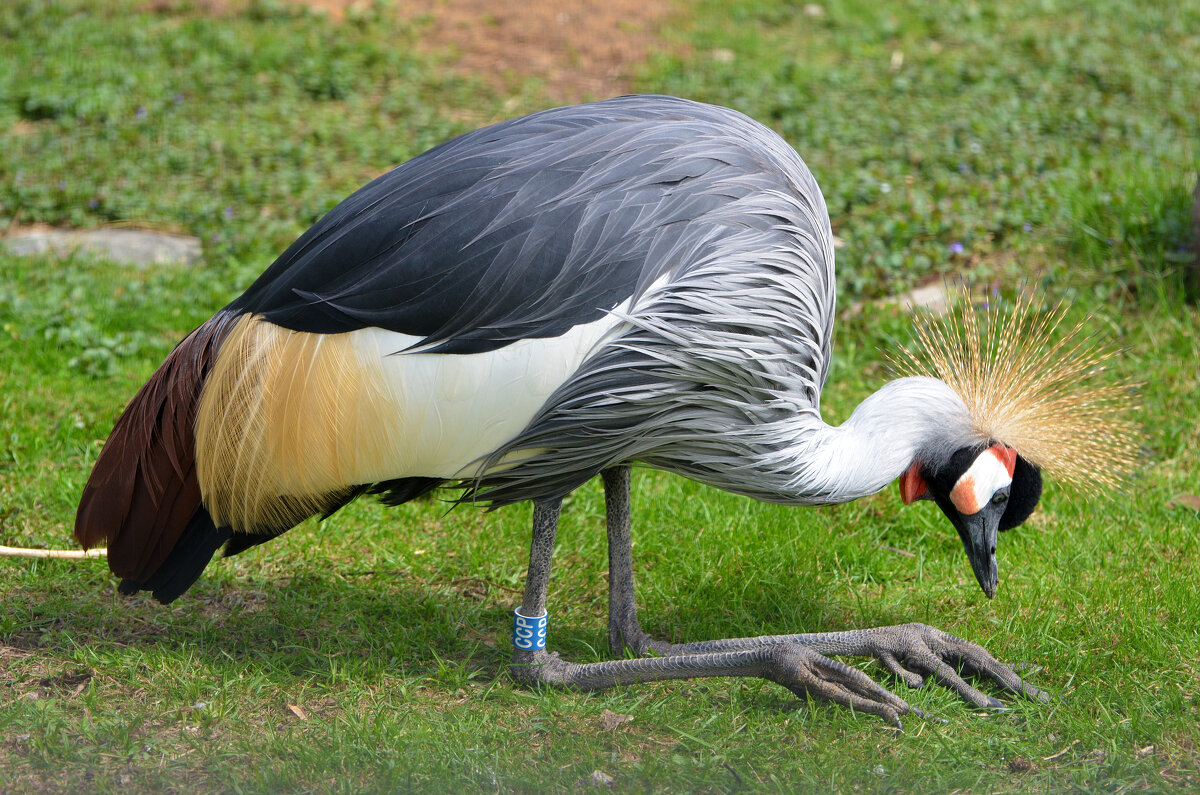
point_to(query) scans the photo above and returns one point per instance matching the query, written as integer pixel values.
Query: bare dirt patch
(579, 49)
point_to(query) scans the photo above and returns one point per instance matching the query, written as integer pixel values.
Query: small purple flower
(1028, 227)
(228, 213)
(178, 98)
(141, 112)
(93, 203)
(963, 168)
(956, 247)
(62, 184)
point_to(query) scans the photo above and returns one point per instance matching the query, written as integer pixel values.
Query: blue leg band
(529, 634)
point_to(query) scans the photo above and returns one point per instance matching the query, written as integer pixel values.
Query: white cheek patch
(992, 471)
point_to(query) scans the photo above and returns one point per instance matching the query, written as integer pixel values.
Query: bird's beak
(978, 532)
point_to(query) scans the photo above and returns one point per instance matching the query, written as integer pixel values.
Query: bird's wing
(523, 229)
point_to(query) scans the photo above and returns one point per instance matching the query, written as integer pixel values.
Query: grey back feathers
(532, 226)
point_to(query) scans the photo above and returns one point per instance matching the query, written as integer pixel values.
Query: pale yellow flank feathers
(286, 419)
(1032, 385)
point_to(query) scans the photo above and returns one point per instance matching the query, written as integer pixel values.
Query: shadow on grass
(317, 627)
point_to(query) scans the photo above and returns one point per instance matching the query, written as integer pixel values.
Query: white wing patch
(452, 409)
(991, 471)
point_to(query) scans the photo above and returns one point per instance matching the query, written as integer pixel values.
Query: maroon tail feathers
(143, 498)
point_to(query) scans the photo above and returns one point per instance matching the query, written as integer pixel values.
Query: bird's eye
(999, 498)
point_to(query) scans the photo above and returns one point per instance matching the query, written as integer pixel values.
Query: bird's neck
(907, 419)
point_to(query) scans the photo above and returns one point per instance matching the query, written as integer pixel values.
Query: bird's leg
(541, 553)
(624, 631)
(531, 662)
(912, 652)
(799, 669)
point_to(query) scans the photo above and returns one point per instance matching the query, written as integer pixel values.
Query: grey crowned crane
(643, 279)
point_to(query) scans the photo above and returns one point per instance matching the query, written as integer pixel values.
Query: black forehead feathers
(1023, 496)
(942, 480)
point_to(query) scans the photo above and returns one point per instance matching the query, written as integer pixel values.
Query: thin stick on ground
(24, 552)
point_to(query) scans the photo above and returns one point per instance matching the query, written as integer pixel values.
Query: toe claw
(1033, 693)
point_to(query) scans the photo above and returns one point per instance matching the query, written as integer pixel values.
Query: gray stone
(599, 778)
(138, 247)
(933, 298)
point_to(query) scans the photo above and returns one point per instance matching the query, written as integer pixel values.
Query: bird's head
(1036, 400)
(983, 489)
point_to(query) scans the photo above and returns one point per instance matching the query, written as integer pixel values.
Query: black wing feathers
(523, 229)
(186, 559)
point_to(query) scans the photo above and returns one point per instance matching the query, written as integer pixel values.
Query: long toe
(806, 672)
(919, 652)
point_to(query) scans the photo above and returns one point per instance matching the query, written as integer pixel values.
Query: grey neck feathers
(907, 419)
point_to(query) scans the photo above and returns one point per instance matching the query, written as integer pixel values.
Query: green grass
(387, 628)
(933, 123)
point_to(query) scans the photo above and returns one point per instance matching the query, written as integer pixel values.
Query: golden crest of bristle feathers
(1033, 384)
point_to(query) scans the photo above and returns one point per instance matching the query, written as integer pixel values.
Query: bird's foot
(800, 669)
(916, 652)
(808, 673)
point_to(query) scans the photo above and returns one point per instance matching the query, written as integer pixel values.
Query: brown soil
(579, 49)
